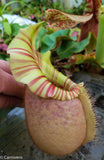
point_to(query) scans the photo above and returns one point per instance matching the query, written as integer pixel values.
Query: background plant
(34, 10)
(37, 8)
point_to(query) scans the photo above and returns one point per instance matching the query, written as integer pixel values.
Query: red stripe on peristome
(68, 85)
(76, 88)
(77, 91)
(50, 91)
(65, 82)
(66, 95)
(62, 95)
(70, 94)
(56, 92)
(24, 41)
(31, 83)
(73, 94)
(59, 91)
(41, 87)
(24, 71)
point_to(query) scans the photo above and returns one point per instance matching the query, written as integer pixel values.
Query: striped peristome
(34, 69)
(92, 6)
(89, 6)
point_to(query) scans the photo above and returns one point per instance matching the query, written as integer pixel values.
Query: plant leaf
(34, 69)
(16, 27)
(49, 41)
(39, 38)
(79, 59)
(92, 43)
(7, 26)
(100, 42)
(60, 20)
(68, 48)
(4, 56)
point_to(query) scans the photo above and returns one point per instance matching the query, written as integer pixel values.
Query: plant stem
(100, 42)
(9, 3)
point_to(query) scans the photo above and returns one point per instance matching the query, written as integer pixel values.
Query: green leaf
(102, 65)
(100, 42)
(16, 27)
(7, 26)
(4, 56)
(49, 41)
(0, 13)
(68, 48)
(92, 43)
(39, 38)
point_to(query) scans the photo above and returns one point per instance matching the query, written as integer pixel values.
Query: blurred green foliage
(26, 8)
(33, 10)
